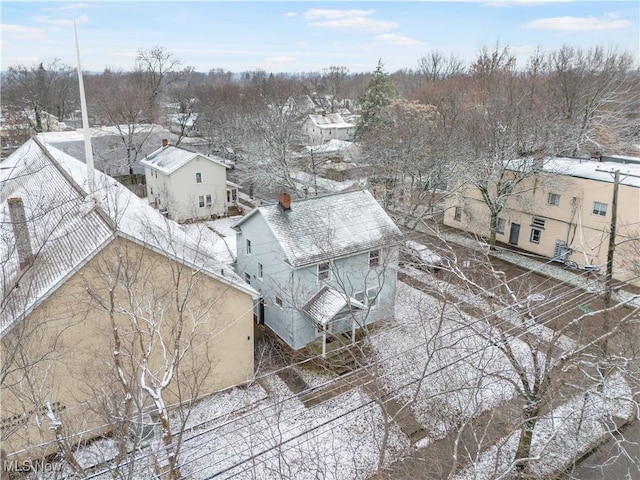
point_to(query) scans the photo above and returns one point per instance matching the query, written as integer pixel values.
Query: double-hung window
(600, 208)
(374, 258)
(323, 271)
(198, 177)
(553, 199)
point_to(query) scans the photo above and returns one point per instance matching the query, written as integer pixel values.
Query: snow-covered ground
(430, 353)
(575, 426)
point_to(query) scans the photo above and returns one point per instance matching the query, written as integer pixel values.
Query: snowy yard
(429, 354)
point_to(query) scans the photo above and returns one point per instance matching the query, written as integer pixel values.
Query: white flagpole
(85, 120)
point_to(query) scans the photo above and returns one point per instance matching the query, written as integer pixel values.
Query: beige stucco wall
(70, 337)
(572, 221)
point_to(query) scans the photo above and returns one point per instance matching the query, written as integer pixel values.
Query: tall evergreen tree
(377, 96)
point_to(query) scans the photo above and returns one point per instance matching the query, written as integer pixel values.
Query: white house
(186, 185)
(323, 127)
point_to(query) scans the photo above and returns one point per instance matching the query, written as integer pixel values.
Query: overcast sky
(306, 36)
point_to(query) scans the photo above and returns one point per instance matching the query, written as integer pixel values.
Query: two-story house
(186, 185)
(322, 127)
(324, 265)
(565, 212)
(95, 286)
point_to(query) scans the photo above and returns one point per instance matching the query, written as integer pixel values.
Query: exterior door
(514, 234)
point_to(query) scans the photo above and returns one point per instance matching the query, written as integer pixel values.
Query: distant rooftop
(599, 170)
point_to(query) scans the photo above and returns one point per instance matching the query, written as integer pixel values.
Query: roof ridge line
(83, 194)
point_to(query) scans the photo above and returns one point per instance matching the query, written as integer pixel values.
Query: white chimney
(20, 231)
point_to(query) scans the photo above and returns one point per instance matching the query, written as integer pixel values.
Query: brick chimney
(165, 142)
(285, 201)
(20, 231)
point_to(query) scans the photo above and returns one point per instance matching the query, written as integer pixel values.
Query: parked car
(422, 255)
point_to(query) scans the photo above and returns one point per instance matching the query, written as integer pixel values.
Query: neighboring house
(110, 154)
(186, 185)
(184, 124)
(565, 213)
(324, 265)
(79, 267)
(323, 127)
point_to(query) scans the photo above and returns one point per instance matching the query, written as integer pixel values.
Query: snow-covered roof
(188, 119)
(170, 158)
(332, 146)
(330, 226)
(110, 131)
(327, 303)
(329, 120)
(67, 226)
(594, 170)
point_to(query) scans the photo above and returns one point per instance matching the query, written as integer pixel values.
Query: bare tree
(587, 88)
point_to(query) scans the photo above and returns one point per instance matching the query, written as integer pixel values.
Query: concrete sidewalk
(587, 281)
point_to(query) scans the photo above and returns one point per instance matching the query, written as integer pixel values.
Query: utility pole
(612, 240)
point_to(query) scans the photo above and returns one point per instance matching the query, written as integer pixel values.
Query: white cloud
(347, 19)
(70, 6)
(280, 59)
(577, 24)
(400, 40)
(335, 13)
(21, 32)
(124, 53)
(291, 14)
(60, 22)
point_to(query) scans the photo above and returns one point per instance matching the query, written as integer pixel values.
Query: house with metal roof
(325, 265)
(85, 265)
(186, 185)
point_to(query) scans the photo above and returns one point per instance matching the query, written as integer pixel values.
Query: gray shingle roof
(331, 226)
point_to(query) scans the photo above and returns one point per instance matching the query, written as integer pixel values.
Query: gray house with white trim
(324, 265)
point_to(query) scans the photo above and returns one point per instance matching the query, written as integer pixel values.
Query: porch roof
(327, 303)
